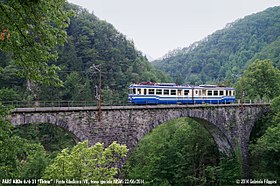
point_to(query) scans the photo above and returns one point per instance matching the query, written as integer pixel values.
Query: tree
(90, 41)
(7, 94)
(265, 154)
(234, 46)
(76, 89)
(18, 157)
(83, 162)
(8, 153)
(276, 110)
(265, 151)
(179, 152)
(179, 80)
(31, 30)
(260, 80)
(33, 160)
(52, 138)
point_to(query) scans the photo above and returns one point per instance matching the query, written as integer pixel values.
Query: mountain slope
(90, 41)
(224, 54)
(271, 51)
(94, 41)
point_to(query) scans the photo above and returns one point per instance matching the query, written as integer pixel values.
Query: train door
(203, 96)
(193, 95)
(186, 96)
(180, 96)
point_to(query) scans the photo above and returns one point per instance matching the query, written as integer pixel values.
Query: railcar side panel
(154, 94)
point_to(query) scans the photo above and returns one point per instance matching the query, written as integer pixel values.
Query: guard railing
(30, 104)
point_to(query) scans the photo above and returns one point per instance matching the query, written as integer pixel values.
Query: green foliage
(261, 126)
(272, 52)
(83, 162)
(228, 170)
(8, 154)
(265, 150)
(266, 156)
(89, 41)
(77, 88)
(19, 158)
(93, 41)
(260, 80)
(179, 152)
(275, 105)
(9, 74)
(8, 94)
(33, 160)
(223, 55)
(270, 119)
(32, 31)
(52, 138)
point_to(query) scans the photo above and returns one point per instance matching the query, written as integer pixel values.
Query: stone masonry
(229, 125)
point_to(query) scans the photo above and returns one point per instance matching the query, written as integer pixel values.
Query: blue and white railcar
(170, 93)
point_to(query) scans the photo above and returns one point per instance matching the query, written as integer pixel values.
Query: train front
(131, 93)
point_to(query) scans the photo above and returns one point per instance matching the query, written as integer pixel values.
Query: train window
(166, 92)
(159, 91)
(226, 93)
(134, 91)
(215, 92)
(233, 93)
(203, 92)
(209, 92)
(186, 92)
(221, 92)
(139, 91)
(173, 92)
(179, 92)
(196, 92)
(145, 91)
(152, 91)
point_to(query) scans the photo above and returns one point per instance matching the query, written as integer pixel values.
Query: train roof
(173, 85)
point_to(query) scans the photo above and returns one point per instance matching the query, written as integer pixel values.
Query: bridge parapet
(131, 107)
(39, 104)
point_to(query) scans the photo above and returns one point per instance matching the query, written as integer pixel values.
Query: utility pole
(242, 94)
(98, 96)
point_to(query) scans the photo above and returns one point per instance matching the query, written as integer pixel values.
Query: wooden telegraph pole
(99, 92)
(100, 97)
(242, 95)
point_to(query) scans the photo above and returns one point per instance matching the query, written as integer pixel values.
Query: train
(146, 93)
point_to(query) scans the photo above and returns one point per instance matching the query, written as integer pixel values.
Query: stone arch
(220, 122)
(69, 133)
(50, 118)
(220, 139)
(213, 124)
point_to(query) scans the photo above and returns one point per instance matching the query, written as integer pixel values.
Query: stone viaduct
(229, 125)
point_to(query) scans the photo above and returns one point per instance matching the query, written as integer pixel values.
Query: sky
(158, 26)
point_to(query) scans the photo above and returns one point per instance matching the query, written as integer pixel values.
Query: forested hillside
(224, 55)
(90, 41)
(180, 152)
(30, 62)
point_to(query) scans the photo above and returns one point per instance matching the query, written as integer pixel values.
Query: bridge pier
(230, 125)
(246, 119)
